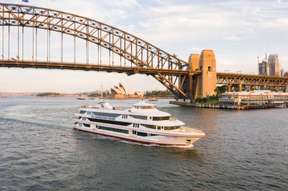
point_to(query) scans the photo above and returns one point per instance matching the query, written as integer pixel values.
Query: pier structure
(37, 37)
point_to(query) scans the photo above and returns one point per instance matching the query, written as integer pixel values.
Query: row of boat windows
(141, 134)
(138, 133)
(110, 122)
(112, 129)
(99, 114)
(134, 125)
(117, 115)
(161, 118)
(159, 127)
(153, 118)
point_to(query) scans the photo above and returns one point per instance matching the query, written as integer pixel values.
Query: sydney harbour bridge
(35, 37)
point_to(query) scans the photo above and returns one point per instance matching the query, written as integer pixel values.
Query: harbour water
(39, 150)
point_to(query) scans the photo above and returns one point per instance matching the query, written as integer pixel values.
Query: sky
(237, 30)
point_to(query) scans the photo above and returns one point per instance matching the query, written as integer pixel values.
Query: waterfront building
(257, 98)
(274, 65)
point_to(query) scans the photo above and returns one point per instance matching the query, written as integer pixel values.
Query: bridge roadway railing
(13, 63)
(251, 80)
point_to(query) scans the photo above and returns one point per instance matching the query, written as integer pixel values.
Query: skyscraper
(263, 68)
(274, 65)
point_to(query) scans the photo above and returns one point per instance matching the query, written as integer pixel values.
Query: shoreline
(82, 97)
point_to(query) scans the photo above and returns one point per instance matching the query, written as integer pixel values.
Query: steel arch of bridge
(166, 68)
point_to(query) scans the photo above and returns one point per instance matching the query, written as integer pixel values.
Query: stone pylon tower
(202, 75)
(194, 62)
(206, 85)
(194, 66)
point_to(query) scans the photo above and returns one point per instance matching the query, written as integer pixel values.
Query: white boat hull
(165, 141)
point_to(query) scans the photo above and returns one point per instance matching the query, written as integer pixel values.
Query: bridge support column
(191, 92)
(203, 84)
(206, 85)
(240, 87)
(193, 81)
(208, 69)
(229, 88)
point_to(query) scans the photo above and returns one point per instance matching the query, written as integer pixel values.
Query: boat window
(161, 118)
(136, 125)
(86, 125)
(124, 116)
(112, 129)
(109, 122)
(82, 112)
(139, 117)
(152, 135)
(150, 126)
(171, 128)
(106, 114)
(141, 134)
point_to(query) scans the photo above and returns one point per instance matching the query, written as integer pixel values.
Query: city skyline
(237, 31)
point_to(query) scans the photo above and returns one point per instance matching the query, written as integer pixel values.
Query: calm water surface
(39, 151)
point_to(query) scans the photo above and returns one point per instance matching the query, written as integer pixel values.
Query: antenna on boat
(102, 93)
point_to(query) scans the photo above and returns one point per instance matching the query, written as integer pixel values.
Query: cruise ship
(142, 123)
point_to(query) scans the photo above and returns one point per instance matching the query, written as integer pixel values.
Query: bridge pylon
(202, 75)
(208, 74)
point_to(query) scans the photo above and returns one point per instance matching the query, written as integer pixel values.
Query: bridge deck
(88, 67)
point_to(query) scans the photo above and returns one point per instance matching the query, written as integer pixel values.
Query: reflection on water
(244, 150)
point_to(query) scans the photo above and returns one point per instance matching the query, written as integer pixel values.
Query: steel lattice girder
(251, 80)
(126, 45)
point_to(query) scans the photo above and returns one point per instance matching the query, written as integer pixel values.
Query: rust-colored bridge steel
(267, 82)
(88, 67)
(129, 47)
(141, 56)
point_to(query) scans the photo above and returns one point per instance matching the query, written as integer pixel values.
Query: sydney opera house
(119, 92)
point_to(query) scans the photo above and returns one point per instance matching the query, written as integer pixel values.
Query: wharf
(223, 106)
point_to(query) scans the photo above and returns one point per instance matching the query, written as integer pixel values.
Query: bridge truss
(246, 80)
(133, 54)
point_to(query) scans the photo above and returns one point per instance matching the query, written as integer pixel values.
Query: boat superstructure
(142, 123)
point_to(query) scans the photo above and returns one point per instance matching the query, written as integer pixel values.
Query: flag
(25, 1)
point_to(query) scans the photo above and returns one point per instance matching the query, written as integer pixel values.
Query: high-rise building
(263, 68)
(274, 65)
(282, 72)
